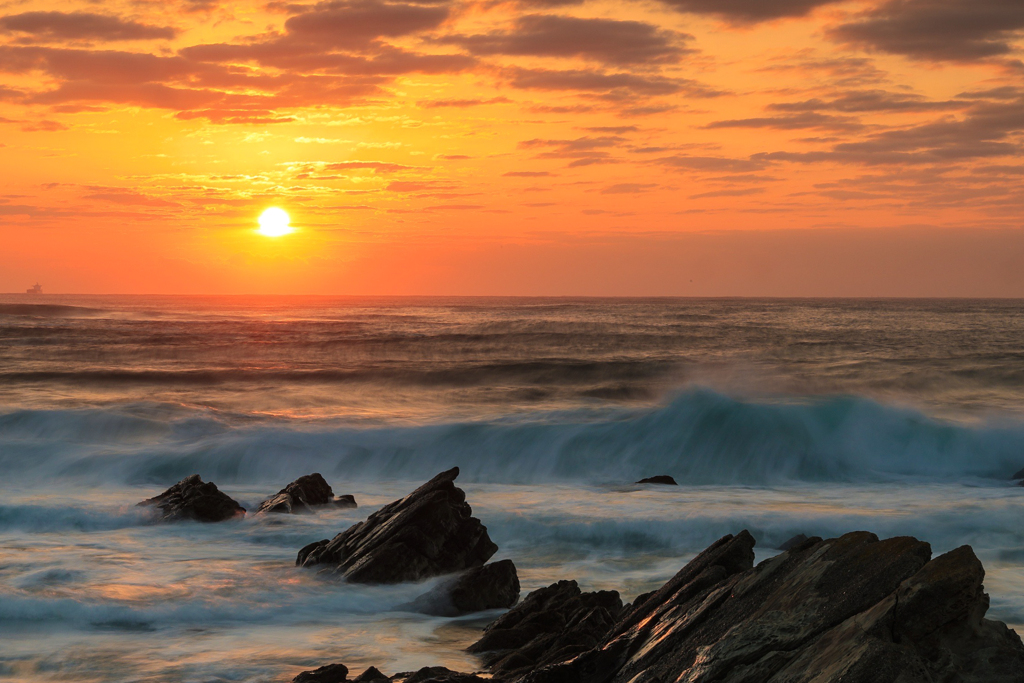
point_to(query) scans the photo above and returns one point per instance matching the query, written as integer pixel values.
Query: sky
(532, 147)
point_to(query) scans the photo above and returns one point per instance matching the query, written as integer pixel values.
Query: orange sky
(680, 147)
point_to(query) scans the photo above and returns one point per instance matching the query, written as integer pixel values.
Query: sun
(274, 222)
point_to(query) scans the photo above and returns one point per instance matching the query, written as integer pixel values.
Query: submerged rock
(551, 625)
(346, 501)
(852, 609)
(302, 495)
(1018, 475)
(193, 499)
(431, 532)
(492, 586)
(660, 479)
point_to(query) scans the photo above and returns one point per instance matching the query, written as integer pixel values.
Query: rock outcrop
(193, 499)
(663, 479)
(337, 673)
(304, 494)
(492, 586)
(1018, 475)
(852, 609)
(552, 625)
(793, 542)
(431, 532)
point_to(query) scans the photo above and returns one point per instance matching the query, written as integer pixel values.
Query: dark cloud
(743, 192)
(603, 40)
(748, 11)
(990, 129)
(610, 86)
(798, 121)
(349, 24)
(629, 188)
(956, 30)
(584, 151)
(526, 174)
(82, 26)
(865, 101)
(712, 164)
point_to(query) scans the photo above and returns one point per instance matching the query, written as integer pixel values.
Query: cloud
(712, 164)
(864, 101)
(792, 122)
(462, 104)
(728, 193)
(748, 11)
(937, 30)
(604, 40)
(629, 188)
(345, 24)
(82, 26)
(526, 174)
(608, 85)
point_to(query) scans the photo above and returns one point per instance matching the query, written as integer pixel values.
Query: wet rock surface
(431, 532)
(552, 625)
(337, 673)
(303, 495)
(854, 609)
(662, 479)
(1018, 475)
(193, 499)
(492, 586)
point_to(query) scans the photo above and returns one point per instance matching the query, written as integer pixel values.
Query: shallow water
(777, 417)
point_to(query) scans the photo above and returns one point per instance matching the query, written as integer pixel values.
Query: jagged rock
(492, 586)
(431, 532)
(853, 609)
(436, 674)
(193, 499)
(300, 496)
(371, 675)
(1018, 475)
(551, 625)
(346, 501)
(797, 540)
(332, 673)
(660, 479)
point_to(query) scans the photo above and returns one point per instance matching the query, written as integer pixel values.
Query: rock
(332, 673)
(551, 625)
(192, 499)
(431, 532)
(797, 541)
(300, 496)
(1018, 475)
(660, 479)
(371, 675)
(346, 501)
(852, 609)
(492, 586)
(436, 674)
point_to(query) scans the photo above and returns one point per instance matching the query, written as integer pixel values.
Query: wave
(701, 437)
(48, 310)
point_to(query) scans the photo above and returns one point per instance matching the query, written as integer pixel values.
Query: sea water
(777, 416)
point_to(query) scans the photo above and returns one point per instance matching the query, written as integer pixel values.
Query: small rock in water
(1018, 475)
(300, 496)
(193, 499)
(332, 673)
(431, 532)
(663, 479)
(346, 501)
(492, 586)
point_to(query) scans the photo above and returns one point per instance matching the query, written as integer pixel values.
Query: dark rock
(798, 541)
(431, 532)
(332, 673)
(660, 479)
(492, 586)
(193, 499)
(346, 501)
(371, 675)
(436, 674)
(1018, 475)
(852, 609)
(551, 625)
(300, 496)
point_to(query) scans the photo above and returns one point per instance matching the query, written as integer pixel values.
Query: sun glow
(274, 222)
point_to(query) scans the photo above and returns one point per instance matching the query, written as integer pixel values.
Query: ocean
(901, 417)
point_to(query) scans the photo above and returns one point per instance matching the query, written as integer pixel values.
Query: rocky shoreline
(852, 609)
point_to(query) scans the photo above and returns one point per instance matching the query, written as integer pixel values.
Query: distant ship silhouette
(34, 290)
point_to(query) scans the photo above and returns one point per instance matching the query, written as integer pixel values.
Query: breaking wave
(701, 437)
